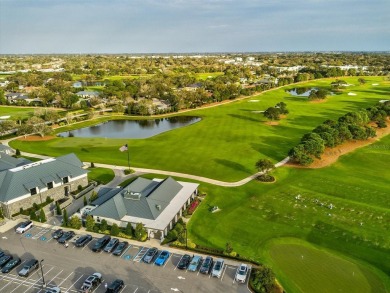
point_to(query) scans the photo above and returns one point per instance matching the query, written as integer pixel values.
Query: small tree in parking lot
(42, 216)
(140, 232)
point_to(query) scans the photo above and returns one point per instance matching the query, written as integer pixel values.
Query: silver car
(28, 267)
(53, 290)
(218, 268)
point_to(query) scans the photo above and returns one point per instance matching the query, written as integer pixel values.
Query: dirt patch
(317, 101)
(331, 155)
(272, 123)
(36, 138)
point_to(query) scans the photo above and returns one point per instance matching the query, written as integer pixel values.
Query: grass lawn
(101, 175)
(309, 269)
(206, 75)
(16, 112)
(357, 226)
(229, 140)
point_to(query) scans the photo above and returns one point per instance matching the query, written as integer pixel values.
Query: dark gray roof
(105, 194)
(18, 180)
(142, 198)
(8, 162)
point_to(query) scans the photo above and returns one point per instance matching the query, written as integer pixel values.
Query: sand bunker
(351, 94)
(257, 112)
(253, 101)
(375, 84)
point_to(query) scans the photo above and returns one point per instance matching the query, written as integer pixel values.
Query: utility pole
(43, 277)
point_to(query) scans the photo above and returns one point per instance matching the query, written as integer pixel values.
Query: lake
(132, 128)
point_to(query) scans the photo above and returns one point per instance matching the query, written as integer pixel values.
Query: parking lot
(67, 268)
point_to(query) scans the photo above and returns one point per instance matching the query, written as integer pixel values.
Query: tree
(129, 231)
(264, 165)
(298, 154)
(58, 209)
(282, 107)
(140, 232)
(114, 230)
(228, 247)
(272, 113)
(89, 223)
(33, 216)
(361, 80)
(65, 218)
(103, 226)
(42, 216)
(93, 196)
(85, 200)
(263, 279)
(75, 222)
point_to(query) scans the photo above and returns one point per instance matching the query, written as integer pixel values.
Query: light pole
(43, 277)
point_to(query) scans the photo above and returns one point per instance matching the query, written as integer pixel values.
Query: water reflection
(132, 128)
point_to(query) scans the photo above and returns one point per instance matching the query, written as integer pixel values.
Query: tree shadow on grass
(244, 117)
(233, 165)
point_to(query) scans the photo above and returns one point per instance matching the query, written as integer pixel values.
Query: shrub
(90, 223)
(17, 152)
(114, 230)
(262, 279)
(79, 188)
(129, 231)
(85, 201)
(42, 216)
(49, 200)
(103, 225)
(191, 209)
(75, 222)
(58, 209)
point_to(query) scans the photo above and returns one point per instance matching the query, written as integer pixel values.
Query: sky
(186, 26)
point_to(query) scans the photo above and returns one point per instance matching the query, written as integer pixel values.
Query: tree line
(349, 127)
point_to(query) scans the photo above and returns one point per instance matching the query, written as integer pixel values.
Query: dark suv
(115, 286)
(100, 243)
(83, 240)
(206, 265)
(111, 245)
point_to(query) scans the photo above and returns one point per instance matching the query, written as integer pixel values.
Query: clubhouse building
(157, 204)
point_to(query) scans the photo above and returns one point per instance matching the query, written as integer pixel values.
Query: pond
(132, 128)
(304, 91)
(301, 91)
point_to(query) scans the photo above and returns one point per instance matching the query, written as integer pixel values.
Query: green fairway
(206, 75)
(230, 138)
(344, 207)
(308, 269)
(16, 113)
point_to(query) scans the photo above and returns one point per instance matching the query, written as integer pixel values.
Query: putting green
(308, 269)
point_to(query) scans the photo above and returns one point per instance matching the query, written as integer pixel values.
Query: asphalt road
(69, 267)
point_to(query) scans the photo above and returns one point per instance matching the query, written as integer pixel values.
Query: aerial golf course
(319, 229)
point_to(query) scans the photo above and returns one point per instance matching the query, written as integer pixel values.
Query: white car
(218, 268)
(23, 227)
(241, 273)
(53, 290)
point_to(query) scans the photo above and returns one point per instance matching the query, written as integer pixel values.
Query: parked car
(53, 290)
(207, 265)
(195, 263)
(111, 245)
(91, 282)
(2, 253)
(23, 227)
(83, 240)
(10, 265)
(241, 273)
(115, 286)
(57, 233)
(120, 248)
(150, 255)
(101, 243)
(66, 236)
(28, 267)
(218, 268)
(184, 262)
(162, 258)
(4, 260)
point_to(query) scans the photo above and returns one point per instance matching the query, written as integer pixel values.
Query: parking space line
(135, 290)
(123, 289)
(223, 273)
(128, 247)
(141, 254)
(64, 279)
(167, 260)
(39, 279)
(74, 283)
(23, 283)
(55, 277)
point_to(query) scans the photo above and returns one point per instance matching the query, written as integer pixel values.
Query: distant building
(157, 204)
(23, 183)
(88, 94)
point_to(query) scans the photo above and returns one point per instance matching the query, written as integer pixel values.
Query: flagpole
(128, 157)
